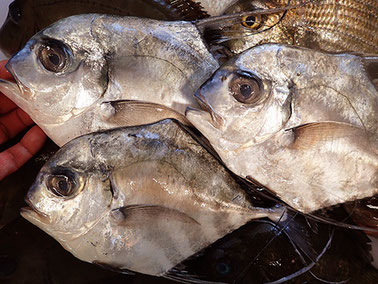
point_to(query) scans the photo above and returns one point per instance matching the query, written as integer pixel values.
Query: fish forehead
(179, 42)
(307, 70)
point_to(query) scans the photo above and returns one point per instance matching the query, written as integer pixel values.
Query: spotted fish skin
(329, 25)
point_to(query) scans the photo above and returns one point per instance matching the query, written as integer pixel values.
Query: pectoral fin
(308, 135)
(131, 112)
(113, 268)
(148, 214)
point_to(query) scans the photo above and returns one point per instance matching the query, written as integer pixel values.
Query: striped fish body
(329, 25)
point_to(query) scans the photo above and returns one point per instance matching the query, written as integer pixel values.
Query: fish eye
(223, 268)
(64, 183)
(245, 89)
(53, 56)
(61, 185)
(14, 12)
(252, 21)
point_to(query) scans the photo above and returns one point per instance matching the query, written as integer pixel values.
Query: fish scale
(162, 205)
(330, 25)
(311, 104)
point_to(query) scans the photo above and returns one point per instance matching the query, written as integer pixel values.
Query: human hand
(12, 121)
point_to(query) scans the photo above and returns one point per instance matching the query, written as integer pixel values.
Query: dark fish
(365, 213)
(300, 251)
(27, 17)
(330, 25)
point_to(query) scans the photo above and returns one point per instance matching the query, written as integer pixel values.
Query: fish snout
(31, 207)
(11, 67)
(216, 120)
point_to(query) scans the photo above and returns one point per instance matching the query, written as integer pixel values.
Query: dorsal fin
(181, 9)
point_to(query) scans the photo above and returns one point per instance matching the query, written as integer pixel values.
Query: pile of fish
(176, 133)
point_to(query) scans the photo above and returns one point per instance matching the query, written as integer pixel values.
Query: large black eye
(14, 12)
(53, 56)
(246, 90)
(252, 22)
(223, 267)
(61, 185)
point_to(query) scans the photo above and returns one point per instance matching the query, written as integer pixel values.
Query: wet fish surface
(262, 252)
(329, 25)
(280, 252)
(302, 123)
(27, 17)
(140, 198)
(68, 73)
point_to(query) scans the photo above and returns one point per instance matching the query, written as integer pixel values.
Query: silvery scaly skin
(300, 122)
(66, 72)
(141, 198)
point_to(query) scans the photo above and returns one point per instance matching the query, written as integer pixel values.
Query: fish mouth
(216, 120)
(32, 214)
(23, 90)
(9, 88)
(14, 89)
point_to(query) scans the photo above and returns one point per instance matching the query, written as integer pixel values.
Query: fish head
(243, 102)
(66, 199)
(62, 63)
(261, 26)
(19, 21)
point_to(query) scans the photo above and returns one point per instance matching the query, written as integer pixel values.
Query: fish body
(68, 71)
(140, 198)
(26, 18)
(215, 7)
(329, 25)
(302, 123)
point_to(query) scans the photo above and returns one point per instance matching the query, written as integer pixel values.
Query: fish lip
(216, 120)
(23, 90)
(31, 208)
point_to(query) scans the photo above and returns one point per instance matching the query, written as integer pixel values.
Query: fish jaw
(34, 217)
(203, 121)
(12, 91)
(216, 120)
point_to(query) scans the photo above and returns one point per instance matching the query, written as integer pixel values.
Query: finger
(6, 105)
(13, 123)
(13, 158)
(4, 74)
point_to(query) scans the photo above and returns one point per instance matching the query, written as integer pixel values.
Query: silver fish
(67, 72)
(141, 198)
(215, 7)
(302, 123)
